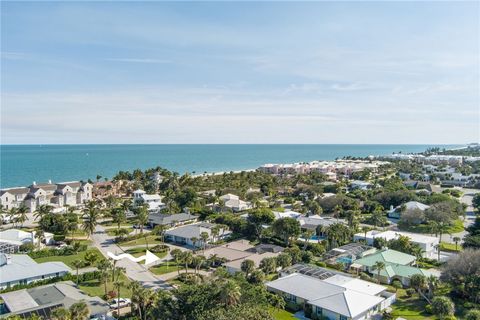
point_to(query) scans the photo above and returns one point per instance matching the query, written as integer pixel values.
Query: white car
(120, 302)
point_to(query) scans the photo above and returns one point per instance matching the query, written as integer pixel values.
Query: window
(343, 317)
(318, 311)
(291, 297)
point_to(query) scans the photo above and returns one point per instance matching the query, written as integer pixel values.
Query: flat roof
(18, 300)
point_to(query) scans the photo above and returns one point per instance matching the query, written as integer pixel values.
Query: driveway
(134, 271)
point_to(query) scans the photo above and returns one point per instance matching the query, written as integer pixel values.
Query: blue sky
(240, 72)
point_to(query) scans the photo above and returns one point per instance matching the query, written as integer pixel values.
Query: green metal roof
(387, 256)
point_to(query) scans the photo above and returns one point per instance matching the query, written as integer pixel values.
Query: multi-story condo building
(55, 194)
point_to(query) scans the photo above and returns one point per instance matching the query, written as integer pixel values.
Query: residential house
(332, 296)
(171, 220)
(154, 201)
(360, 185)
(286, 214)
(184, 234)
(233, 202)
(18, 269)
(12, 239)
(41, 301)
(313, 222)
(428, 244)
(396, 213)
(398, 266)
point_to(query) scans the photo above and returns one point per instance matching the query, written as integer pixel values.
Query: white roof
(21, 267)
(139, 191)
(150, 197)
(389, 235)
(411, 205)
(229, 196)
(286, 214)
(19, 300)
(349, 303)
(355, 284)
(15, 236)
(338, 295)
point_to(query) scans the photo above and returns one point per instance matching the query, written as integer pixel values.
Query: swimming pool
(344, 260)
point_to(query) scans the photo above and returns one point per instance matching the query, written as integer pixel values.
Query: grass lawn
(111, 231)
(445, 246)
(95, 288)
(152, 240)
(456, 227)
(137, 252)
(280, 314)
(409, 308)
(68, 260)
(163, 268)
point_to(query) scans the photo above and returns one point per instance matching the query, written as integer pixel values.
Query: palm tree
(13, 216)
(197, 262)
(79, 311)
(432, 282)
(77, 264)
(118, 284)
(194, 241)
(42, 211)
(379, 266)
(204, 236)
(90, 217)
(307, 235)
(40, 235)
(456, 240)
(187, 258)
(230, 293)
(60, 314)
(177, 256)
(104, 266)
(22, 214)
(215, 232)
(142, 216)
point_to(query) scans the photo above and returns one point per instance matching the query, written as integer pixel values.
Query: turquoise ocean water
(22, 164)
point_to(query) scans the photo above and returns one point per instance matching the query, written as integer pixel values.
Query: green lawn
(68, 260)
(111, 231)
(152, 240)
(164, 268)
(409, 308)
(280, 314)
(445, 246)
(95, 288)
(137, 252)
(456, 227)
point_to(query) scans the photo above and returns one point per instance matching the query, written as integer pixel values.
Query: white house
(185, 235)
(154, 201)
(428, 244)
(18, 269)
(336, 297)
(410, 205)
(234, 203)
(286, 214)
(15, 238)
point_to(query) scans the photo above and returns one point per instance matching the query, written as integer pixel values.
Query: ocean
(20, 165)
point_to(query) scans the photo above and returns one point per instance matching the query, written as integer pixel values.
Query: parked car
(123, 302)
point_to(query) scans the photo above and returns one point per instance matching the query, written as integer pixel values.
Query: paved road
(134, 271)
(469, 217)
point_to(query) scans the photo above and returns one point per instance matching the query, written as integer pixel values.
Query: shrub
(410, 292)
(160, 248)
(58, 237)
(473, 315)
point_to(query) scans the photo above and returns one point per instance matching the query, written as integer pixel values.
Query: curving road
(134, 271)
